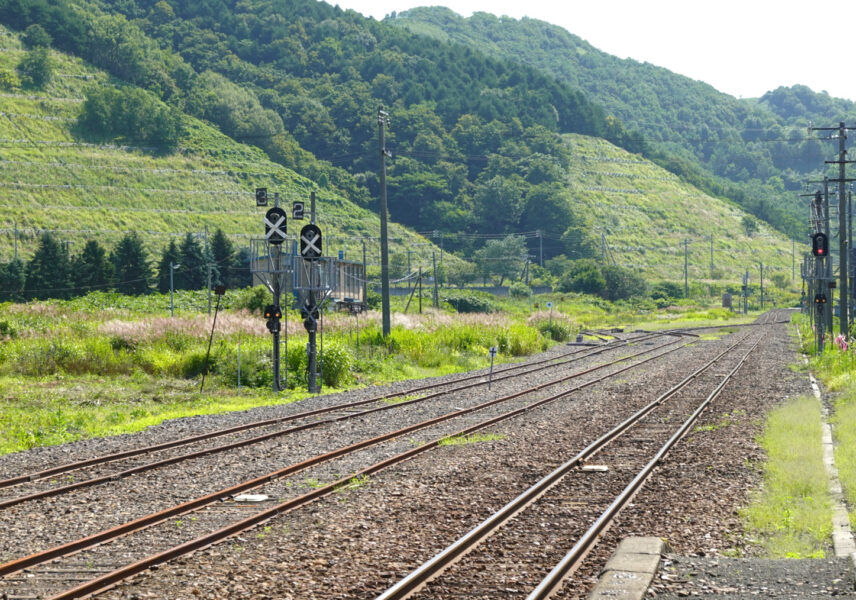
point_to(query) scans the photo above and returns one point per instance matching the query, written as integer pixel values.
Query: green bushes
(556, 330)
(610, 282)
(37, 357)
(131, 114)
(470, 302)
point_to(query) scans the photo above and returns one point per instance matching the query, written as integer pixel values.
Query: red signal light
(819, 244)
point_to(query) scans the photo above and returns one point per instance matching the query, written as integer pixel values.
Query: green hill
(51, 180)
(646, 213)
(760, 145)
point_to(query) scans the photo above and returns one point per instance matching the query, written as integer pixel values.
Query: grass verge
(791, 515)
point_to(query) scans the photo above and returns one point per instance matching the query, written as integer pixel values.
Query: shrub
(36, 68)
(557, 330)
(373, 299)
(520, 340)
(9, 80)
(336, 366)
(518, 289)
(35, 36)
(254, 300)
(470, 302)
(129, 113)
(583, 276)
(7, 330)
(256, 365)
(667, 289)
(621, 283)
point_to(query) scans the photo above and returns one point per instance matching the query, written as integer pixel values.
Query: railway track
(93, 471)
(572, 506)
(107, 557)
(204, 520)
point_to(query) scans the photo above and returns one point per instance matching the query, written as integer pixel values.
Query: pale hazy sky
(740, 47)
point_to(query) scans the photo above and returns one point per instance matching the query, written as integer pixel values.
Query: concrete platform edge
(631, 569)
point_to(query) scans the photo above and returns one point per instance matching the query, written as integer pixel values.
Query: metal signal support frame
(271, 267)
(313, 282)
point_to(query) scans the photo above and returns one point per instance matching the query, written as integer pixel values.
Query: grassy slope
(83, 191)
(646, 213)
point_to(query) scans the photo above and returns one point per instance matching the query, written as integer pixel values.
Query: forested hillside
(478, 143)
(761, 145)
(303, 81)
(55, 180)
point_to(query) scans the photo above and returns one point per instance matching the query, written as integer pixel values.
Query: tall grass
(835, 367)
(791, 516)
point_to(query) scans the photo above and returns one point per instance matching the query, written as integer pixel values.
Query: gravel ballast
(365, 537)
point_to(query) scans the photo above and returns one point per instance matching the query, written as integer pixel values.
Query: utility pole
(843, 240)
(172, 267)
(365, 277)
(436, 298)
(711, 256)
(761, 265)
(686, 270)
(843, 250)
(383, 120)
(16, 240)
(210, 266)
(540, 249)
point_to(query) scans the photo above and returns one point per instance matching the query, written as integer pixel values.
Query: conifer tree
(223, 256)
(91, 269)
(12, 280)
(193, 265)
(131, 263)
(48, 271)
(170, 256)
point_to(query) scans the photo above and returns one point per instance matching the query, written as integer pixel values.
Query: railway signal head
(310, 241)
(273, 314)
(819, 301)
(310, 319)
(275, 225)
(820, 245)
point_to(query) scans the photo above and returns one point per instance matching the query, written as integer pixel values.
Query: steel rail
(503, 374)
(550, 584)
(151, 519)
(57, 491)
(455, 551)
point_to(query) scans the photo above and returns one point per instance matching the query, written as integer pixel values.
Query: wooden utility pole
(382, 121)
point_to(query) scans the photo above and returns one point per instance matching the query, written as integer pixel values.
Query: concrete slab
(629, 572)
(621, 585)
(642, 545)
(634, 563)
